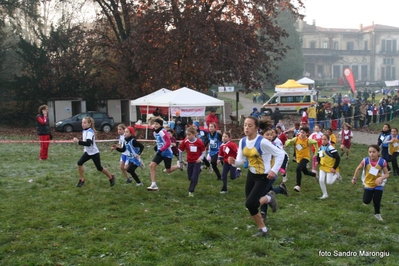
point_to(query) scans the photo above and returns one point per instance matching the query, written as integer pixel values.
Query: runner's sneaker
(128, 180)
(152, 188)
(191, 194)
(261, 233)
(338, 177)
(285, 178)
(224, 192)
(378, 217)
(297, 188)
(139, 184)
(238, 172)
(273, 203)
(112, 181)
(210, 169)
(80, 183)
(284, 189)
(142, 165)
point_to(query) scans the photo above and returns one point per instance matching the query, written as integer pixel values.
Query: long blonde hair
(91, 122)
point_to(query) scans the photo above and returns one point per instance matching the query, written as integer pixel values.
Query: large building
(371, 52)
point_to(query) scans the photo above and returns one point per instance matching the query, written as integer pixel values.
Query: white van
(293, 102)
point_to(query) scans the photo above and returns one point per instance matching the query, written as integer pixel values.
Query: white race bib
(373, 171)
(193, 148)
(298, 147)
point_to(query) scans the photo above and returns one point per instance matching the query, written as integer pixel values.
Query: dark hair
(306, 129)
(375, 147)
(327, 136)
(389, 126)
(255, 119)
(227, 133)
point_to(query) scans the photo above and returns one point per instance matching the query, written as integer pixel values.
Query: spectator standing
(44, 131)
(212, 118)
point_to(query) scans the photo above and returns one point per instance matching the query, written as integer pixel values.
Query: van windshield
(273, 100)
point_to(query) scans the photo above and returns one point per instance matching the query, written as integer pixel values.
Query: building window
(349, 46)
(387, 61)
(325, 45)
(389, 46)
(320, 71)
(313, 44)
(364, 72)
(335, 45)
(366, 45)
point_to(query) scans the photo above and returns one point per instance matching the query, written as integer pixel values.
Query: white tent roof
(305, 81)
(147, 98)
(185, 97)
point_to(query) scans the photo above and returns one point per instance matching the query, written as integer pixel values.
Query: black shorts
(158, 159)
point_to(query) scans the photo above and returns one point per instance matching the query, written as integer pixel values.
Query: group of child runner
(262, 150)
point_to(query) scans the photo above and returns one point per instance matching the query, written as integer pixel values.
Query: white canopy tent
(305, 81)
(185, 97)
(147, 98)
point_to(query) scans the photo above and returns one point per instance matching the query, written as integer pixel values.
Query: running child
(316, 135)
(385, 133)
(123, 160)
(302, 146)
(174, 145)
(214, 140)
(333, 138)
(328, 160)
(202, 136)
(374, 176)
(295, 132)
(346, 139)
(133, 149)
(393, 149)
(195, 149)
(228, 149)
(164, 153)
(90, 151)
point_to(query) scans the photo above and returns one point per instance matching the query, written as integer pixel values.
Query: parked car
(103, 121)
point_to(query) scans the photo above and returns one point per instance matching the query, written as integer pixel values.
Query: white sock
(264, 229)
(153, 183)
(268, 198)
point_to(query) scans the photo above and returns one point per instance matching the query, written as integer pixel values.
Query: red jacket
(228, 149)
(212, 118)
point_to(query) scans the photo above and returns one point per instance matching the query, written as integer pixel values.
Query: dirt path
(358, 136)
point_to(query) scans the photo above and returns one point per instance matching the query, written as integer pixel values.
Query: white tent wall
(185, 97)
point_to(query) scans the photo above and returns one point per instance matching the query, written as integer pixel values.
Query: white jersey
(89, 134)
(122, 143)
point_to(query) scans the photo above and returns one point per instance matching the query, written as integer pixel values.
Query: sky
(350, 14)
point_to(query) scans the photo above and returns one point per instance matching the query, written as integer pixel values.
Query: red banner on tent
(349, 77)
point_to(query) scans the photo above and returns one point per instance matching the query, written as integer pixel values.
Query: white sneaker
(191, 194)
(338, 177)
(142, 165)
(152, 188)
(139, 184)
(297, 188)
(178, 164)
(164, 170)
(285, 178)
(378, 217)
(324, 197)
(210, 169)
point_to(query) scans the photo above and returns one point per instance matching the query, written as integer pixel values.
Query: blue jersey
(214, 143)
(162, 138)
(133, 151)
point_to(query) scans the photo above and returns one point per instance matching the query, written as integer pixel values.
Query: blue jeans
(311, 123)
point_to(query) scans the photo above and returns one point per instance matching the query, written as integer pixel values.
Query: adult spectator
(312, 115)
(44, 131)
(255, 112)
(320, 114)
(336, 115)
(212, 118)
(180, 126)
(276, 116)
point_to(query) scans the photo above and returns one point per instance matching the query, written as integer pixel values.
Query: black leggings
(394, 159)
(376, 196)
(95, 157)
(131, 169)
(214, 164)
(255, 188)
(301, 168)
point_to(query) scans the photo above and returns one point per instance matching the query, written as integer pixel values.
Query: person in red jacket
(44, 131)
(226, 150)
(195, 149)
(212, 117)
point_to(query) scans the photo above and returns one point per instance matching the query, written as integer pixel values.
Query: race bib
(193, 148)
(298, 147)
(373, 171)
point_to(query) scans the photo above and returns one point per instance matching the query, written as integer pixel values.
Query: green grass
(51, 222)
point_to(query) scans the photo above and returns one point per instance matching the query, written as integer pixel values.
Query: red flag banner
(349, 77)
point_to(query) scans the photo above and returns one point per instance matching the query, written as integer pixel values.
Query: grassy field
(46, 220)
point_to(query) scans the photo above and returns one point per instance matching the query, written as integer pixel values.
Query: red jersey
(194, 149)
(228, 149)
(282, 137)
